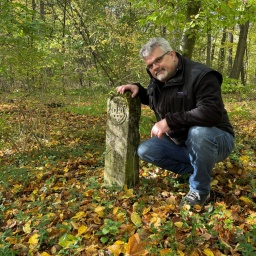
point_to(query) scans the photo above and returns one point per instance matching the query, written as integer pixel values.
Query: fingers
(160, 128)
(120, 89)
(128, 87)
(156, 132)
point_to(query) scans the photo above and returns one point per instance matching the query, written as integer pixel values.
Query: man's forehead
(154, 54)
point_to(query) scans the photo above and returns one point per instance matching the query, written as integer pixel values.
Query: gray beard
(162, 76)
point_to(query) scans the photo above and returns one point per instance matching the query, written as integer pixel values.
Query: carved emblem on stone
(117, 110)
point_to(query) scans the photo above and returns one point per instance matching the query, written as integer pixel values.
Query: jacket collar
(178, 77)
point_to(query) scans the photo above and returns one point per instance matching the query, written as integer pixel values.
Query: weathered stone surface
(122, 140)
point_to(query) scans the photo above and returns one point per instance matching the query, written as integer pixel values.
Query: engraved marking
(117, 110)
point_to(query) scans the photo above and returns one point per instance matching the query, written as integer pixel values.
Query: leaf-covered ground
(53, 200)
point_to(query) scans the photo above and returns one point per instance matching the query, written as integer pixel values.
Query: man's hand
(160, 128)
(128, 87)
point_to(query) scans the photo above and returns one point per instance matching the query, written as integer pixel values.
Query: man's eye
(158, 60)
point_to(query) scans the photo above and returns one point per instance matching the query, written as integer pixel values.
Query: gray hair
(152, 44)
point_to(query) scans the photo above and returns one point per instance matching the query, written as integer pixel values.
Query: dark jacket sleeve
(208, 110)
(143, 94)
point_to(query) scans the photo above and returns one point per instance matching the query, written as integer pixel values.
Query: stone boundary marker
(122, 140)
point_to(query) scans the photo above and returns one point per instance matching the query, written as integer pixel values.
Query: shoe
(194, 198)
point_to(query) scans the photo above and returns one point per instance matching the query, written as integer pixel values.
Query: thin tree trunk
(42, 12)
(222, 52)
(208, 49)
(238, 63)
(230, 52)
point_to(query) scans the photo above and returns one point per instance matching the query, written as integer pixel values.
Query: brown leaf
(136, 247)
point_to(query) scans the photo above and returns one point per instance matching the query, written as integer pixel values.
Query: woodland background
(68, 44)
(58, 62)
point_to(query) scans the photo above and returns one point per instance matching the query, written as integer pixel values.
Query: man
(192, 131)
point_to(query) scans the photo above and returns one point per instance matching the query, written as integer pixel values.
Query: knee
(141, 151)
(199, 134)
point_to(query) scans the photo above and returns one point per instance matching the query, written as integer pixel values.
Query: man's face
(161, 65)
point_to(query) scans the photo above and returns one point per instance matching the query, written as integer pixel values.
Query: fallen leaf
(117, 248)
(136, 247)
(66, 240)
(33, 240)
(208, 252)
(178, 224)
(136, 219)
(100, 210)
(45, 254)
(247, 201)
(81, 230)
(27, 228)
(79, 215)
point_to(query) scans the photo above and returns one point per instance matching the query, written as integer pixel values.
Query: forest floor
(53, 200)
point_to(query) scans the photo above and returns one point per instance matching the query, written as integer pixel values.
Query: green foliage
(247, 242)
(232, 86)
(159, 236)
(109, 230)
(64, 46)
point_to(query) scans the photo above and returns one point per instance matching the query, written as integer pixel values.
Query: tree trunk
(42, 11)
(189, 36)
(240, 51)
(209, 45)
(230, 52)
(222, 52)
(34, 8)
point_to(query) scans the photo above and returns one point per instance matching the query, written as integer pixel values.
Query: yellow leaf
(165, 252)
(33, 240)
(146, 210)
(96, 220)
(119, 242)
(100, 210)
(134, 207)
(17, 187)
(128, 194)
(247, 201)
(115, 210)
(121, 216)
(251, 219)
(214, 182)
(208, 252)
(136, 219)
(66, 240)
(81, 230)
(156, 220)
(47, 165)
(178, 224)
(66, 169)
(79, 215)
(117, 248)
(45, 254)
(180, 253)
(197, 207)
(27, 228)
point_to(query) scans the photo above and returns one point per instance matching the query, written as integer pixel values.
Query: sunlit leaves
(62, 207)
(136, 219)
(67, 240)
(33, 241)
